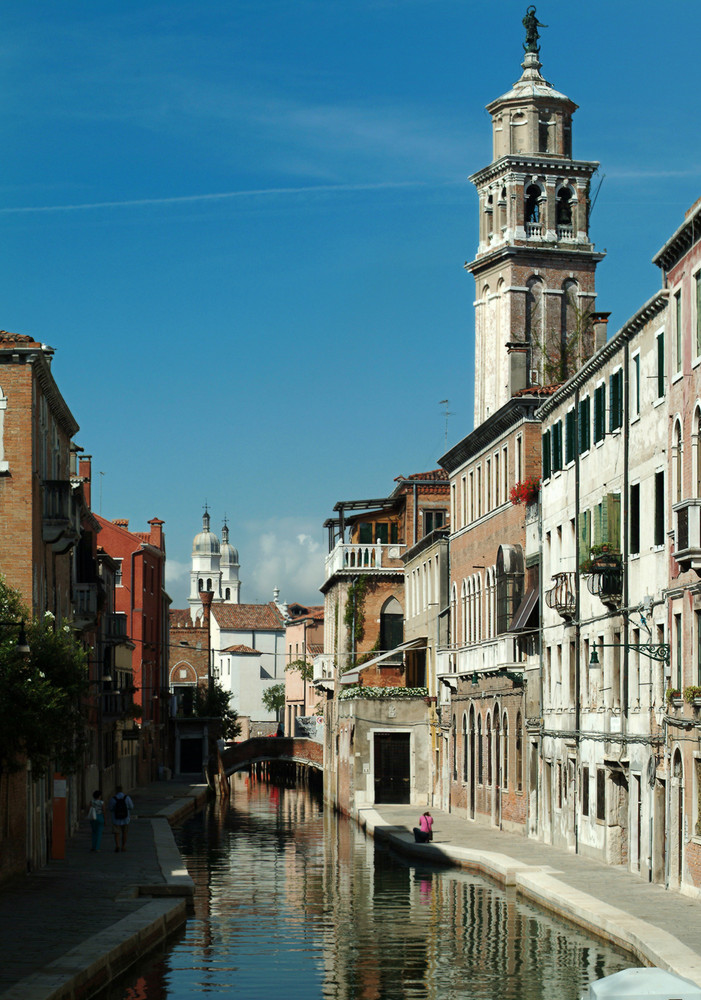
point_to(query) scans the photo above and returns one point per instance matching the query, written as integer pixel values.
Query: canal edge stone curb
(643, 940)
(91, 966)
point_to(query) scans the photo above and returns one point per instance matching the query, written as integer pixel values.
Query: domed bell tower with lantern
(535, 264)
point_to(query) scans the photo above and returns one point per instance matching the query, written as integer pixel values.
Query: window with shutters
(635, 519)
(570, 431)
(556, 436)
(616, 400)
(599, 413)
(635, 387)
(584, 536)
(659, 508)
(678, 332)
(584, 425)
(660, 365)
(546, 455)
(607, 521)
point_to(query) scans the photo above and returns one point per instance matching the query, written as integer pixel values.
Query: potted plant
(673, 697)
(692, 695)
(601, 558)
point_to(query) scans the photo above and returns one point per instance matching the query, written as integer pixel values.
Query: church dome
(206, 542)
(229, 555)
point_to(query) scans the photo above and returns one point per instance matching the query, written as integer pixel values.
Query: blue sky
(242, 226)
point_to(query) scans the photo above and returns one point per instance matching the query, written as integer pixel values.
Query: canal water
(294, 902)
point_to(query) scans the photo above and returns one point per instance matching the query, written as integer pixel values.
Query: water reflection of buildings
(278, 880)
(432, 934)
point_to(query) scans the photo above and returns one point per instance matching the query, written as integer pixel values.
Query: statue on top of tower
(531, 24)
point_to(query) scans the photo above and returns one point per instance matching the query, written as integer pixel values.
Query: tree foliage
(214, 704)
(43, 693)
(304, 669)
(274, 698)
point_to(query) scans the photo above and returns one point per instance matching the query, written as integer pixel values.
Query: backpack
(121, 810)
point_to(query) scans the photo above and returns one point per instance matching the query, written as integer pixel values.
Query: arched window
(391, 625)
(454, 639)
(532, 205)
(572, 350)
(478, 609)
(200, 588)
(677, 461)
(488, 737)
(563, 211)
(209, 584)
(480, 755)
(454, 733)
(505, 745)
(464, 747)
(519, 754)
(534, 322)
(463, 616)
(228, 594)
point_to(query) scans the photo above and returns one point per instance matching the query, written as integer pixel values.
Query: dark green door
(392, 770)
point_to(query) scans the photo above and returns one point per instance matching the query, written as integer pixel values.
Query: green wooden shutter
(584, 535)
(584, 429)
(660, 365)
(599, 513)
(569, 437)
(546, 455)
(613, 519)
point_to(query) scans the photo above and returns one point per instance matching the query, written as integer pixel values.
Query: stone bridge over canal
(267, 749)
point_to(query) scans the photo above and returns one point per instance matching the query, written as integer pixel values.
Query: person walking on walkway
(96, 815)
(120, 808)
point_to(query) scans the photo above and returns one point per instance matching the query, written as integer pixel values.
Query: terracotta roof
(316, 611)
(435, 474)
(241, 649)
(181, 618)
(315, 648)
(17, 338)
(264, 617)
(539, 390)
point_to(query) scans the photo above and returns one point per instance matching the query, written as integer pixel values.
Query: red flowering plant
(525, 492)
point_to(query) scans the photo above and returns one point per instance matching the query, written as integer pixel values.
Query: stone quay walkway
(72, 927)
(69, 929)
(660, 927)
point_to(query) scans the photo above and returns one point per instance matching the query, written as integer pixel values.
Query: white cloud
(283, 556)
(176, 571)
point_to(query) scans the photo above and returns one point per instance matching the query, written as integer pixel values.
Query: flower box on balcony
(602, 558)
(525, 492)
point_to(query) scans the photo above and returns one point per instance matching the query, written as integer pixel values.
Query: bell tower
(535, 264)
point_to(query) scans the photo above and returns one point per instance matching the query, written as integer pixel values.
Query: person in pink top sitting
(424, 832)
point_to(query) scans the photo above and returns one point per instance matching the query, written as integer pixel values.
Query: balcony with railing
(534, 229)
(58, 525)
(607, 584)
(365, 558)
(489, 655)
(687, 533)
(562, 595)
(565, 232)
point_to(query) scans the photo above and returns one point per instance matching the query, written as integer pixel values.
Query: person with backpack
(120, 807)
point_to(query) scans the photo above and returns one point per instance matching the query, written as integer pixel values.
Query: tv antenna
(448, 413)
